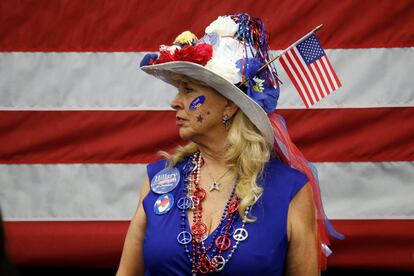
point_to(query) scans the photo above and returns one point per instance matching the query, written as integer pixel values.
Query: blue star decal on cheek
(200, 118)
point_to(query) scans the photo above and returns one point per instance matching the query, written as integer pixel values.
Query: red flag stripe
(323, 75)
(297, 80)
(320, 80)
(293, 79)
(129, 136)
(302, 77)
(305, 70)
(326, 90)
(327, 74)
(99, 243)
(337, 81)
(141, 25)
(317, 81)
(333, 75)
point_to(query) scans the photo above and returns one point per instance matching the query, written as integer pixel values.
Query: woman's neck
(214, 153)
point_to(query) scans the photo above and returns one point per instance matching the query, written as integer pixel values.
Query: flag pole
(317, 28)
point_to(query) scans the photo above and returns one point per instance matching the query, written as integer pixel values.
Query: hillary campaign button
(165, 181)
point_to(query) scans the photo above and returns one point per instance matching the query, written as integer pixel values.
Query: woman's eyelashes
(188, 88)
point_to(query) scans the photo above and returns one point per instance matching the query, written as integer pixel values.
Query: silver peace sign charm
(240, 234)
(219, 262)
(185, 203)
(184, 237)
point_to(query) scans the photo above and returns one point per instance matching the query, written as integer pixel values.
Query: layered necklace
(225, 239)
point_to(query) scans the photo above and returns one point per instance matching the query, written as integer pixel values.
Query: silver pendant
(219, 262)
(240, 234)
(215, 186)
(184, 237)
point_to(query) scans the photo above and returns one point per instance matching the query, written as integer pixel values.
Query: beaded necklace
(207, 259)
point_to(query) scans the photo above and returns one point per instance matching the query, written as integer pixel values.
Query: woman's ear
(230, 108)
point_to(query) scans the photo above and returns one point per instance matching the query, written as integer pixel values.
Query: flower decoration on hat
(234, 47)
(258, 86)
(186, 38)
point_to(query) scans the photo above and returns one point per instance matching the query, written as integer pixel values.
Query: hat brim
(250, 108)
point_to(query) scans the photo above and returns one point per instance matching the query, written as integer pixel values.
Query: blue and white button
(165, 181)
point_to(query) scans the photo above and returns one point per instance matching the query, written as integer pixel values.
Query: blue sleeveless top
(262, 253)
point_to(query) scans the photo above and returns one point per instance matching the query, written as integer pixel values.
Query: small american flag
(310, 70)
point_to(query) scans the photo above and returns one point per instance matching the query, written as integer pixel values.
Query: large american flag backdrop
(79, 121)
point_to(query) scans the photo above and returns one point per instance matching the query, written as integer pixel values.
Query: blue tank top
(262, 253)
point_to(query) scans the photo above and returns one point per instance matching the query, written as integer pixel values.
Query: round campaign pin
(165, 181)
(163, 204)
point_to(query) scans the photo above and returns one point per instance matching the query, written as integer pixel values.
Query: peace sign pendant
(223, 242)
(219, 262)
(240, 234)
(184, 237)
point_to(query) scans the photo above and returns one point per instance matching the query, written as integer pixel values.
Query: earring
(226, 120)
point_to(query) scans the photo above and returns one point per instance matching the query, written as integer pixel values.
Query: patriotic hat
(227, 58)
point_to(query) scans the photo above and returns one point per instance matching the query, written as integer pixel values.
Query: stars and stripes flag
(310, 70)
(79, 121)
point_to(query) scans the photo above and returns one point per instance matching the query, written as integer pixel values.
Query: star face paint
(200, 118)
(197, 102)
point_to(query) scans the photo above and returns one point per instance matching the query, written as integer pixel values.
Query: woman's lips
(180, 121)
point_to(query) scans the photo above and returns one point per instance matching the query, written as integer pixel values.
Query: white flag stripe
(330, 73)
(324, 76)
(314, 89)
(319, 80)
(302, 78)
(70, 191)
(284, 59)
(304, 95)
(48, 77)
(332, 77)
(64, 191)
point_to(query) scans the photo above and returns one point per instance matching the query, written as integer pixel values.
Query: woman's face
(200, 111)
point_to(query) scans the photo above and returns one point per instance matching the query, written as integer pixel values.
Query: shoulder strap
(154, 168)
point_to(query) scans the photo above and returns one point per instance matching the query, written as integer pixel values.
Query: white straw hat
(227, 61)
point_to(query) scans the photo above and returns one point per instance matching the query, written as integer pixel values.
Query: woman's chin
(184, 134)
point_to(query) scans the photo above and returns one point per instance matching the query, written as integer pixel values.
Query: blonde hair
(247, 152)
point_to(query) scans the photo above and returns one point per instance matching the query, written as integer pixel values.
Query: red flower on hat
(165, 56)
(200, 54)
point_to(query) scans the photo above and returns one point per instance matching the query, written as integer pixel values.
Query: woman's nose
(176, 103)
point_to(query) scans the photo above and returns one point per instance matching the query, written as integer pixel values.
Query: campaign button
(165, 181)
(163, 204)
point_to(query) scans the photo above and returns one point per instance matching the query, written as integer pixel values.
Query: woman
(228, 202)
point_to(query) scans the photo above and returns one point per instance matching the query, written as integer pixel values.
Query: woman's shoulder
(154, 167)
(162, 163)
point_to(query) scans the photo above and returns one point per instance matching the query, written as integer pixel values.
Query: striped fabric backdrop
(79, 121)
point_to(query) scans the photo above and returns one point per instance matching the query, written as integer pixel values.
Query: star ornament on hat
(227, 58)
